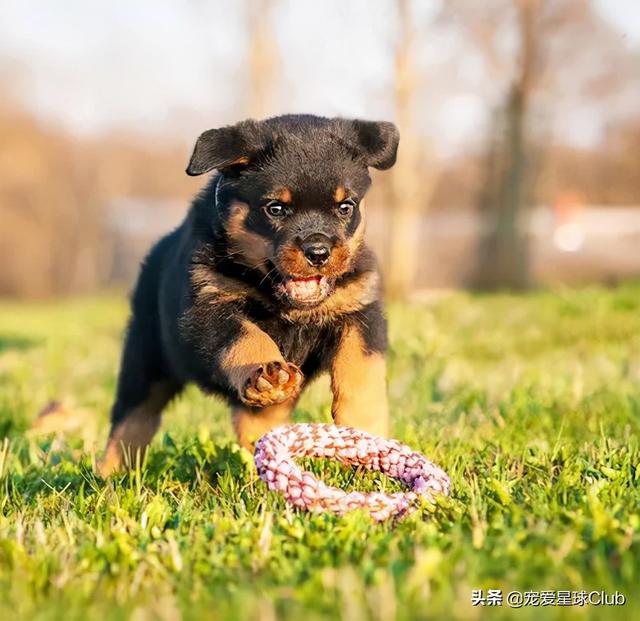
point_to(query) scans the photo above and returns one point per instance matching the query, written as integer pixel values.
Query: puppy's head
(290, 194)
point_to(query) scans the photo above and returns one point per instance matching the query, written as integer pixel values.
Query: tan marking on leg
(59, 419)
(131, 435)
(247, 245)
(271, 383)
(250, 425)
(358, 381)
(253, 348)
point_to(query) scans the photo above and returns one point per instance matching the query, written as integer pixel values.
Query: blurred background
(519, 162)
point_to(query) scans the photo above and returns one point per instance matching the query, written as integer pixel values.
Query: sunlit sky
(171, 66)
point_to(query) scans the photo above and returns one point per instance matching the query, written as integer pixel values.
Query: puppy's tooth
(263, 384)
(283, 377)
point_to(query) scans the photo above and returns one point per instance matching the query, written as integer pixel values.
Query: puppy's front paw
(272, 383)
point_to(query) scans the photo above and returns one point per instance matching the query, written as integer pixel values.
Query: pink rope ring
(276, 450)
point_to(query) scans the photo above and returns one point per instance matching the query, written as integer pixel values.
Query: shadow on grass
(213, 460)
(39, 466)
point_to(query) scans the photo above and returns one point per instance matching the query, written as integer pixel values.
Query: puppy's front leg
(266, 384)
(358, 380)
(254, 366)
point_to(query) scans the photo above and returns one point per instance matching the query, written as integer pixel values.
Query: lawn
(530, 402)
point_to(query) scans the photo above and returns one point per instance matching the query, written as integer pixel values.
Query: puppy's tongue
(304, 288)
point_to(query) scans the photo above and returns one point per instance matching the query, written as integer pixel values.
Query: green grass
(530, 402)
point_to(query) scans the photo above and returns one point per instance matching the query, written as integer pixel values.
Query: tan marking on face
(348, 298)
(291, 261)
(358, 382)
(129, 439)
(284, 195)
(340, 261)
(252, 348)
(340, 194)
(357, 239)
(248, 247)
(250, 425)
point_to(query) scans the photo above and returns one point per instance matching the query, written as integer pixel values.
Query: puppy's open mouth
(307, 291)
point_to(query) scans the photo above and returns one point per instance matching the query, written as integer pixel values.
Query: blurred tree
(55, 193)
(262, 58)
(410, 181)
(50, 220)
(536, 55)
(503, 252)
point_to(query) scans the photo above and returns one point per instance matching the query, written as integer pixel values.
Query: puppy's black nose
(316, 249)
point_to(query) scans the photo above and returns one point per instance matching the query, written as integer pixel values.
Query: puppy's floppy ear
(378, 140)
(227, 146)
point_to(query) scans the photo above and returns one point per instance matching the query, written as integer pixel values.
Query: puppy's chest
(300, 343)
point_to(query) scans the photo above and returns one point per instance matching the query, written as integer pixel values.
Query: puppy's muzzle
(317, 249)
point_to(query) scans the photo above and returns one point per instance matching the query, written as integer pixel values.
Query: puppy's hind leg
(144, 389)
(251, 424)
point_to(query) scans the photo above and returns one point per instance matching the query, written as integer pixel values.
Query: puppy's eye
(345, 209)
(275, 209)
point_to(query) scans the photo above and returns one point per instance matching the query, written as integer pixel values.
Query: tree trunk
(503, 248)
(404, 213)
(262, 59)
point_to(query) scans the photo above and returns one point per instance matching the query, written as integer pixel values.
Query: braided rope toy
(276, 450)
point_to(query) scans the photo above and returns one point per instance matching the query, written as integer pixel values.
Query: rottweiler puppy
(266, 283)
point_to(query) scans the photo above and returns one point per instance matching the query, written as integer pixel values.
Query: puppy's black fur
(266, 283)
